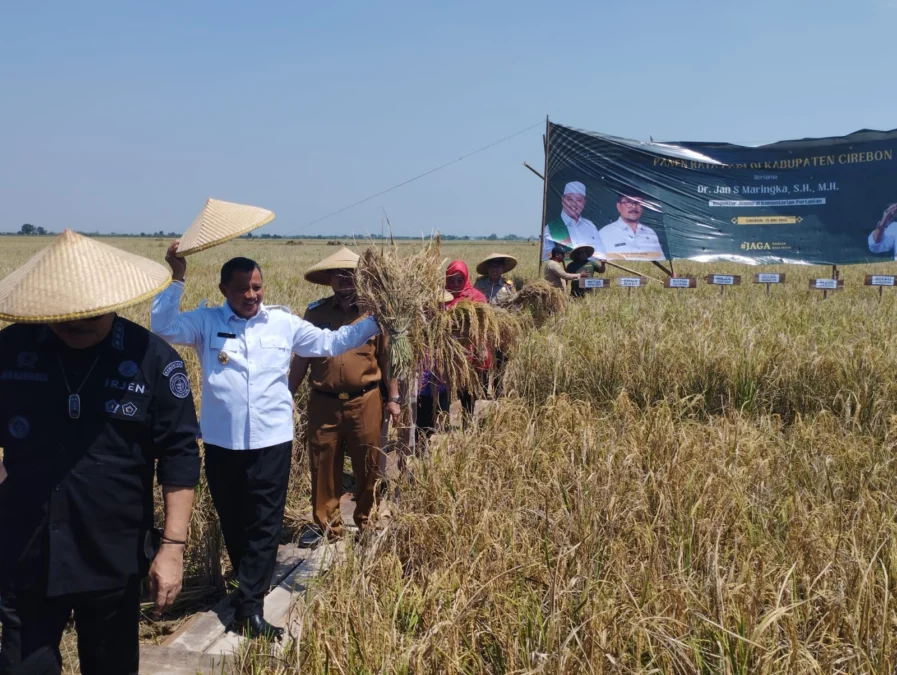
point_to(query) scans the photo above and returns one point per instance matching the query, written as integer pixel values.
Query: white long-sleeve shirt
(246, 403)
(582, 233)
(621, 243)
(888, 240)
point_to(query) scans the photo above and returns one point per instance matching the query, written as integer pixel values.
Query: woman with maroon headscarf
(457, 282)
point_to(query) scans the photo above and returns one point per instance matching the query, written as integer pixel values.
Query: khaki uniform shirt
(496, 292)
(557, 276)
(353, 370)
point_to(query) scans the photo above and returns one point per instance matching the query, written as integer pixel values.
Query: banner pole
(669, 272)
(638, 274)
(544, 191)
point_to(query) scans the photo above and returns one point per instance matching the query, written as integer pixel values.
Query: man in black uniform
(90, 409)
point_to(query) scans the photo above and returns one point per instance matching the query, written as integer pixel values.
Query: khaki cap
(77, 277)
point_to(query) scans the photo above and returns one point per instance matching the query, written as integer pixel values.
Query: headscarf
(467, 291)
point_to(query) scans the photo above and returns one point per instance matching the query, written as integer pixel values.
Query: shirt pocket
(275, 353)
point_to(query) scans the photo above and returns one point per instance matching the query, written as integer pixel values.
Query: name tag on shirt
(224, 344)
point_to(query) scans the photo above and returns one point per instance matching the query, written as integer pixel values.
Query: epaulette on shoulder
(316, 303)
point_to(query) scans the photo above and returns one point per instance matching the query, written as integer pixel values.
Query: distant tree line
(30, 230)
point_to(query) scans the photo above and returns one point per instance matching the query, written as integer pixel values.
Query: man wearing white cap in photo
(92, 406)
(626, 238)
(246, 415)
(570, 228)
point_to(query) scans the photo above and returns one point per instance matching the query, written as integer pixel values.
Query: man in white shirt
(246, 415)
(570, 229)
(884, 237)
(626, 238)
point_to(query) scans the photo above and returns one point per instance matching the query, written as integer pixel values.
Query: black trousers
(249, 490)
(106, 623)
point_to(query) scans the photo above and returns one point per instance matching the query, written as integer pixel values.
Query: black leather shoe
(310, 536)
(256, 627)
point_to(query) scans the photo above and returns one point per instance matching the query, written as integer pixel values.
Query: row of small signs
(879, 280)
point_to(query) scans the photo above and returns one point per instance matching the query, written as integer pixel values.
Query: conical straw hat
(344, 259)
(219, 222)
(76, 278)
(584, 247)
(483, 267)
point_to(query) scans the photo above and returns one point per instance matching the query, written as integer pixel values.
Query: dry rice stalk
(460, 338)
(540, 298)
(402, 293)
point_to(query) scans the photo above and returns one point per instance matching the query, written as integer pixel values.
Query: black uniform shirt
(78, 500)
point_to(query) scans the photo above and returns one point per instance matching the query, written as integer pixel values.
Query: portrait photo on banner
(619, 221)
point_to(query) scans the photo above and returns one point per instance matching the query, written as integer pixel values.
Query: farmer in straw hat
(581, 262)
(555, 274)
(91, 406)
(491, 282)
(244, 349)
(346, 402)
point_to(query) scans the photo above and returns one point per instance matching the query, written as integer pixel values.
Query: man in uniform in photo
(626, 238)
(570, 228)
(246, 415)
(345, 402)
(91, 407)
(883, 239)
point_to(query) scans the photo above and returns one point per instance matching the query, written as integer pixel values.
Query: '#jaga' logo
(755, 246)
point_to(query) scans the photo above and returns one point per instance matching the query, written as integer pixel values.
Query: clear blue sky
(124, 116)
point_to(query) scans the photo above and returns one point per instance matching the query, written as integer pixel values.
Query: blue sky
(125, 116)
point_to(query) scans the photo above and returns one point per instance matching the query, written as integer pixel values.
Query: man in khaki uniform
(555, 274)
(345, 403)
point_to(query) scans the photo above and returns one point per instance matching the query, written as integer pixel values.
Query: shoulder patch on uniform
(179, 385)
(316, 303)
(174, 365)
(19, 427)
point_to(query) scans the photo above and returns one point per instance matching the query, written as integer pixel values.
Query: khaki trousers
(335, 429)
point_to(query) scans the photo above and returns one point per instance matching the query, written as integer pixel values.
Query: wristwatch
(395, 399)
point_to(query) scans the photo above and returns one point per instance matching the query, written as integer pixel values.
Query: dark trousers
(106, 623)
(249, 490)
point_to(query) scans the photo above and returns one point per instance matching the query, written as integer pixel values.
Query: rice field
(675, 481)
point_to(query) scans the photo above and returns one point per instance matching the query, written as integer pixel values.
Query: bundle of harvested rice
(402, 293)
(461, 340)
(539, 298)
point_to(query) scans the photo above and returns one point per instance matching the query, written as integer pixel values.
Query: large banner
(827, 200)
